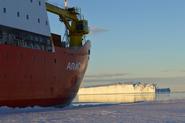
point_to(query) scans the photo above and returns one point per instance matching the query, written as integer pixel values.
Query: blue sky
(134, 38)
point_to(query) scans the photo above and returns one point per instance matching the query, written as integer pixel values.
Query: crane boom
(77, 28)
(61, 12)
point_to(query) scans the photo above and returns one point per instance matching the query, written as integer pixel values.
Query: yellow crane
(76, 26)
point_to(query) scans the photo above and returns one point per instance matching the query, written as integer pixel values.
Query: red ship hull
(32, 77)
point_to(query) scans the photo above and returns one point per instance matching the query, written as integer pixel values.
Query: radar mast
(65, 4)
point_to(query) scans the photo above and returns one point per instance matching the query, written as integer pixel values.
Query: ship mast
(66, 30)
(65, 4)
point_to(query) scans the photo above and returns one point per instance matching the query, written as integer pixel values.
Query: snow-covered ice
(119, 88)
(145, 112)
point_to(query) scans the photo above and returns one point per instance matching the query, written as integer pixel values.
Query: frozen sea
(171, 111)
(110, 108)
(164, 108)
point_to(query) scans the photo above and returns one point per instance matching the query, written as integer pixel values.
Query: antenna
(65, 4)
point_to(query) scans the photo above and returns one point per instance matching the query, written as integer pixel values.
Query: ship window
(4, 10)
(46, 22)
(39, 3)
(27, 17)
(18, 14)
(1, 34)
(38, 20)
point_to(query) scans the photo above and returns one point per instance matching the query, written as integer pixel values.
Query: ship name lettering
(73, 66)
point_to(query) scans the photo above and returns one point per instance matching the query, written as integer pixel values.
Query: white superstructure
(28, 15)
